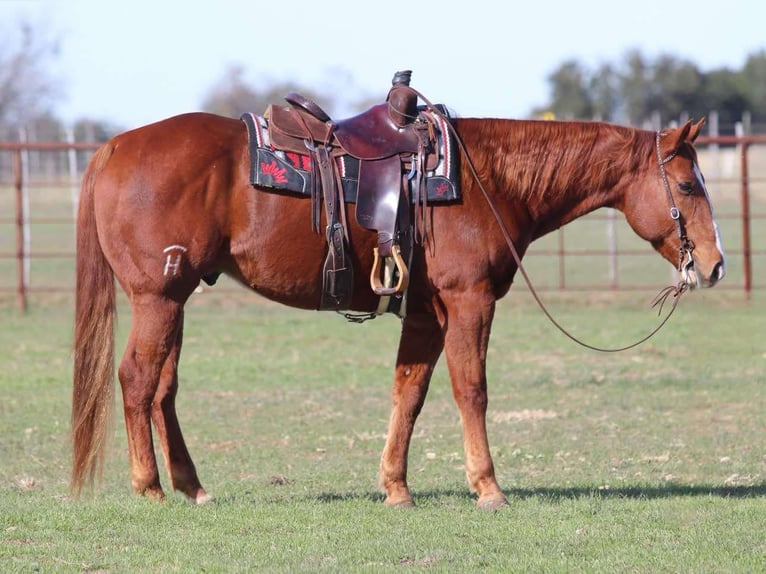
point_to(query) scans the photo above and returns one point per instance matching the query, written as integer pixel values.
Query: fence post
(715, 156)
(745, 198)
(26, 162)
(611, 238)
(562, 262)
(18, 184)
(73, 172)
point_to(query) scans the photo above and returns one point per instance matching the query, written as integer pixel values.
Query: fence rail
(16, 191)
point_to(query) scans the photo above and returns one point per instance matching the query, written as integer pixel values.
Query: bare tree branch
(26, 86)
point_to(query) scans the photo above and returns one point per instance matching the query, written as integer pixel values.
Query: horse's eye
(686, 187)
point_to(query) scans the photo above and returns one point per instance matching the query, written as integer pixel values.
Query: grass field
(653, 460)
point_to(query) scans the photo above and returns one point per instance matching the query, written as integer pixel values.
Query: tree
(753, 82)
(605, 94)
(724, 93)
(88, 130)
(635, 87)
(232, 96)
(677, 88)
(570, 91)
(26, 85)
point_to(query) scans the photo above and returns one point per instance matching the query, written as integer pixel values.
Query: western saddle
(392, 142)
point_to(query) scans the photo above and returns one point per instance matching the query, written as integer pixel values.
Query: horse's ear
(672, 139)
(696, 129)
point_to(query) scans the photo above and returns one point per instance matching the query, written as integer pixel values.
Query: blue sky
(135, 62)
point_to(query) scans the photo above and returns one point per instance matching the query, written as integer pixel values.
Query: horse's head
(672, 210)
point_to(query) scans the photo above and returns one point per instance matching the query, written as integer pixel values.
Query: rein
(660, 299)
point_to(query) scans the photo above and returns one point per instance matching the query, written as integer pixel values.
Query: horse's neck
(557, 170)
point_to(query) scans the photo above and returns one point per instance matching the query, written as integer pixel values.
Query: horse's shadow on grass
(557, 494)
(648, 492)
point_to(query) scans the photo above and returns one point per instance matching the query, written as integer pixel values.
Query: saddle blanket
(288, 171)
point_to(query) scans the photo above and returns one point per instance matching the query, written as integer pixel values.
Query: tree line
(635, 89)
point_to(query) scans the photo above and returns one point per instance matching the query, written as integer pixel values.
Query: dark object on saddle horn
(402, 100)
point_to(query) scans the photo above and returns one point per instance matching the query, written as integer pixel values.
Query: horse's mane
(549, 158)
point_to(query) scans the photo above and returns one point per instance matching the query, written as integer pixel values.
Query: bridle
(686, 245)
(685, 248)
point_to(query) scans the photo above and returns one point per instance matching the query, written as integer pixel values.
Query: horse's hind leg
(181, 471)
(419, 348)
(156, 324)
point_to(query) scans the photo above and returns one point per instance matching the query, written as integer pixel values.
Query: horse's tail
(93, 388)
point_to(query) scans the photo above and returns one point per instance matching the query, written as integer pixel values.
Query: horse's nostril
(718, 273)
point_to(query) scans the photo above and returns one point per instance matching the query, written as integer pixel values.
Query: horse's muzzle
(691, 275)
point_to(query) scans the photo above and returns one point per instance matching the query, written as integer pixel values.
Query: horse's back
(193, 137)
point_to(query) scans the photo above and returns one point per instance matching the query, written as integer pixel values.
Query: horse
(168, 204)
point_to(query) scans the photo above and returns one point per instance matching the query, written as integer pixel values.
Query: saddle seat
(371, 135)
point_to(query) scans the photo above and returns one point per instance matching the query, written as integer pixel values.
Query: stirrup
(404, 275)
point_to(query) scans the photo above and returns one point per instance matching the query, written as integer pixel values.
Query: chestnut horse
(167, 204)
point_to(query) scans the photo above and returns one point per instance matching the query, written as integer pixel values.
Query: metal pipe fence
(46, 206)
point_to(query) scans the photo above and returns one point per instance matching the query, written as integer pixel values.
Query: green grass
(645, 461)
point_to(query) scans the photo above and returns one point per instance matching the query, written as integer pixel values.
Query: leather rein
(685, 249)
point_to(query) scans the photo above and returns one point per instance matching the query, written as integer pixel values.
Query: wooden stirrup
(404, 275)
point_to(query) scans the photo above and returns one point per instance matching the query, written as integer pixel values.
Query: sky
(132, 63)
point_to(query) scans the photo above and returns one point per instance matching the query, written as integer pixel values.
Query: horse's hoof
(203, 498)
(405, 503)
(155, 494)
(198, 497)
(493, 504)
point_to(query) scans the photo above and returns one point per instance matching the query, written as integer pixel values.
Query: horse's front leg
(467, 326)
(420, 345)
